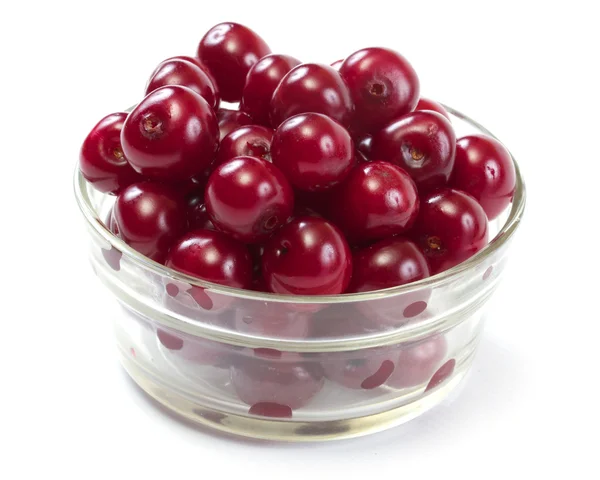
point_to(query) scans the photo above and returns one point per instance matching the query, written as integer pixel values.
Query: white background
(526, 70)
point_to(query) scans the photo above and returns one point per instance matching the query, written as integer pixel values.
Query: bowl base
(290, 430)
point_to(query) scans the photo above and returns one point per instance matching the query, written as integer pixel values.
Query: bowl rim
(502, 237)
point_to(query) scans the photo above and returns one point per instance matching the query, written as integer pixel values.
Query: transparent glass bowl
(289, 367)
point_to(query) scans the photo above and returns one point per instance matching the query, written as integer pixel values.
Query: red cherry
(383, 86)
(229, 50)
(388, 263)
(450, 228)
(286, 381)
(212, 256)
(196, 61)
(376, 200)
(186, 74)
(417, 363)
(230, 120)
(484, 169)
(311, 87)
(313, 151)
(308, 256)
(261, 82)
(248, 198)
(427, 104)
(422, 143)
(197, 215)
(101, 159)
(272, 319)
(150, 217)
(172, 134)
(251, 140)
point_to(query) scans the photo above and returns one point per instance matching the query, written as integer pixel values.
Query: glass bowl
(291, 367)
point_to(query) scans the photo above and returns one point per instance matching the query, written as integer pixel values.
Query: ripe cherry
(248, 198)
(308, 256)
(187, 74)
(450, 228)
(313, 151)
(212, 256)
(101, 159)
(229, 50)
(261, 82)
(150, 217)
(230, 120)
(427, 104)
(196, 212)
(289, 382)
(250, 140)
(484, 169)
(383, 86)
(172, 134)
(196, 61)
(376, 200)
(422, 143)
(311, 87)
(418, 362)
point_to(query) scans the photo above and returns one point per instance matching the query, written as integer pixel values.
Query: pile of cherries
(324, 180)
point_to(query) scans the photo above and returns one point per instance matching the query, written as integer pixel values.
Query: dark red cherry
(212, 256)
(250, 140)
(450, 228)
(196, 61)
(418, 362)
(196, 212)
(427, 104)
(248, 198)
(383, 86)
(172, 134)
(150, 217)
(186, 74)
(311, 87)
(388, 263)
(484, 169)
(422, 143)
(229, 50)
(289, 381)
(376, 200)
(101, 159)
(313, 151)
(230, 120)
(261, 82)
(308, 256)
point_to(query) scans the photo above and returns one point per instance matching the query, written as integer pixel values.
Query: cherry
(150, 217)
(196, 212)
(376, 200)
(261, 82)
(337, 64)
(251, 140)
(484, 169)
(212, 256)
(101, 159)
(383, 86)
(422, 143)
(172, 134)
(308, 256)
(187, 74)
(248, 198)
(272, 319)
(229, 50)
(288, 381)
(388, 263)
(313, 151)
(196, 61)
(311, 87)
(427, 104)
(200, 351)
(417, 363)
(230, 120)
(450, 228)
